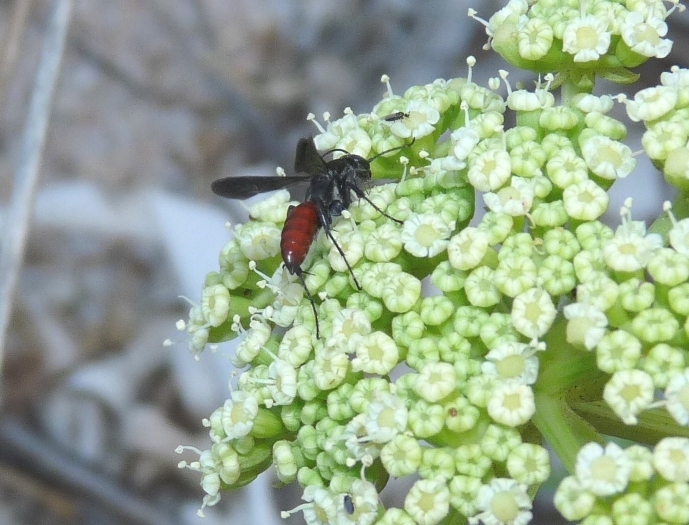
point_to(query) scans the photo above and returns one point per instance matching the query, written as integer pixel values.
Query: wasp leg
(300, 275)
(362, 195)
(326, 227)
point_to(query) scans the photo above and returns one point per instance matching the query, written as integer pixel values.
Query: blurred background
(155, 99)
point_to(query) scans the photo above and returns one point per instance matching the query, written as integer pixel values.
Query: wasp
(333, 184)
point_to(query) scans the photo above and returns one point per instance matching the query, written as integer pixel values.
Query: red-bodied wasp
(331, 185)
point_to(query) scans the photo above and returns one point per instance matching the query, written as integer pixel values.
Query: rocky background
(156, 99)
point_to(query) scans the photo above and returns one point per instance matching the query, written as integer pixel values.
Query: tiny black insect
(331, 185)
(392, 117)
(348, 504)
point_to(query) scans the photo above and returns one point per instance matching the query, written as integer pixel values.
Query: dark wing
(307, 159)
(245, 187)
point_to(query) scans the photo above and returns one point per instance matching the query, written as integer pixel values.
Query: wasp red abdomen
(299, 232)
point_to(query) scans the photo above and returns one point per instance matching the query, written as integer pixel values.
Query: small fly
(392, 117)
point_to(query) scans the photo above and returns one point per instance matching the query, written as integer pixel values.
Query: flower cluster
(452, 348)
(582, 39)
(596, 490)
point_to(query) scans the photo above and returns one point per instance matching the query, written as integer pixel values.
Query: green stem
(563, 429)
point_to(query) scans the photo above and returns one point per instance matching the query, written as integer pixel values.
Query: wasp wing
(307, 159)
(245, 187)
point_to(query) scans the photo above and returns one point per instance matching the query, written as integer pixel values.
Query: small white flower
(629, 392)
(533, 313)
(644, 36)
(663, 137)
(385, 417)
(215, 304)
(258, 240)
(480, 288)
(349, 327)
(400, 292)
(511, 403)
(671, 459)
(512, 361)
(608, 158)
(565, 168)
(401, 456)
(677, 397)
(435, 381)
(464, 140)
(283, 388)
(426, 235)
(676, 77)
(534, 39)
(238, 414)
(355, 440)
(252, 344)
(522, 100)
(330, 368)
(640, 462)
(490, 170)
(587, 38)
(515, 200)
(651, 103)
(503, 501)
(428, 501)
(346, 134)
(602, 471)
(679, 236)
(352, 244)
(585, 201)
(529, 464)
(631, 249)
(586, 326)
(515, 274)
(573, 502)
(296, 347)
(618, 350)
(383, 244)
(591, 103)
(271, 209)
(365, 502)
(376, 353)
(421, 121)
(467, 249)
(323, 507)
(670, 503)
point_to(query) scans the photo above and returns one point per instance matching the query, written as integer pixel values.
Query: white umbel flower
(587, 38)
(671, 459)
(628, 393)
(511, 403)
(602, 471)
(503, 502)
(677, 397)
(426, 235)
(645, 36)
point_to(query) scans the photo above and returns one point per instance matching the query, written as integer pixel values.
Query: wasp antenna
(391, 150)
(336, 149)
